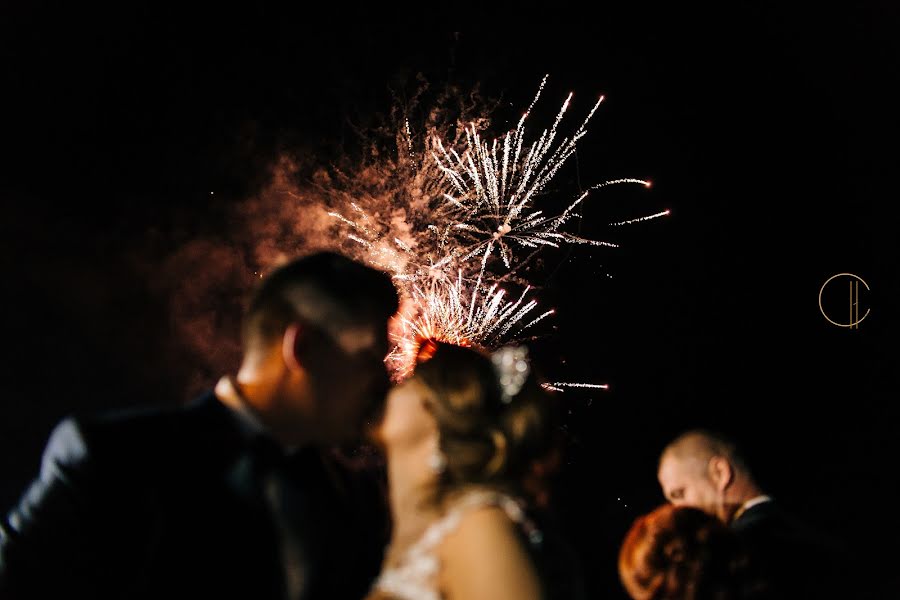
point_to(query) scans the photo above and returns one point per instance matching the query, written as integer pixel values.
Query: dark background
(770, 133)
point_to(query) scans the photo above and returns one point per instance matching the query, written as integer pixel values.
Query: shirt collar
(755, 501)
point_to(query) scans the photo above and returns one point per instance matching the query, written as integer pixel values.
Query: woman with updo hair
(469, 440)
(684, 553)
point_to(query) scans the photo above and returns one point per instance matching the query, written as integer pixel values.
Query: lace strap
(438, 530)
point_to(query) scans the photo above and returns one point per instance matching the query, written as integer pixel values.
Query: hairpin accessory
(511, 364)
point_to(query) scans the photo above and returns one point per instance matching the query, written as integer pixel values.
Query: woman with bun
(466, 438)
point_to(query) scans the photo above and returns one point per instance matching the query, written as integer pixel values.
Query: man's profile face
(685, 482)
(349, 379)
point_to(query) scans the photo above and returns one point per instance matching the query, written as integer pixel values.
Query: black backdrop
(770, 134)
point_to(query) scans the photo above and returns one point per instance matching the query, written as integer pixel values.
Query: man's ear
(291, 345)
(720, 472)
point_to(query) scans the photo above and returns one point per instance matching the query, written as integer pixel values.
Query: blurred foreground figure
(234, 495)
(467, 438)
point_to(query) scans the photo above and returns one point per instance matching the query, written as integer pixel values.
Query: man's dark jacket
(179, 504)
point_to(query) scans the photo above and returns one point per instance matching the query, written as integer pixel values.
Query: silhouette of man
(234, 495)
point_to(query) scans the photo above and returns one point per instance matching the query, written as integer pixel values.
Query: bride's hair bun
(497, 426)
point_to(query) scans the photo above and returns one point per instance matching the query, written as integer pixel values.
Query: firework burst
(449, 313)
(476, 201)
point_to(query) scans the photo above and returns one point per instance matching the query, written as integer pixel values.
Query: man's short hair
(325, 290)
(703, 444)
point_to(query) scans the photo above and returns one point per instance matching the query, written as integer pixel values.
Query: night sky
(133, 145)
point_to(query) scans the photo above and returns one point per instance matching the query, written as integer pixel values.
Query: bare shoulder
(485, 526)
(486, 558)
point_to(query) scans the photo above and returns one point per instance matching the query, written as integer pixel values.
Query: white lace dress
(415, 576)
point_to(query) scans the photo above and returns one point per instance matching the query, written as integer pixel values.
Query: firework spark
(664, 213)
(560, 386)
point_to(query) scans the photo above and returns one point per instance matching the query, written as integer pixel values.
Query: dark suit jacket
(558, 565)
(168, 504)
(791, 559)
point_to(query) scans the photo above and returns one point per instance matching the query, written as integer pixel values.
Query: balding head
(705, 470)
(701, 445)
